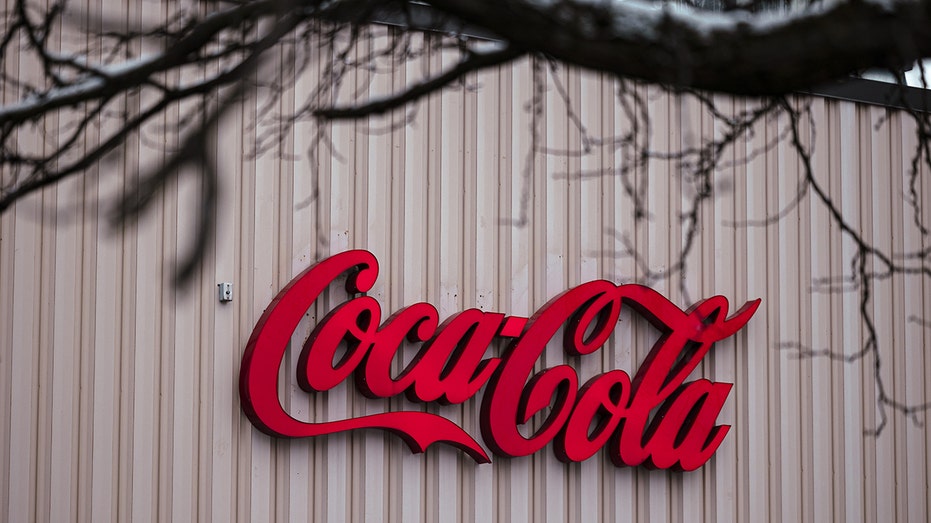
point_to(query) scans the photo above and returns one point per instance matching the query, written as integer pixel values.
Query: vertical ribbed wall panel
(118, 393)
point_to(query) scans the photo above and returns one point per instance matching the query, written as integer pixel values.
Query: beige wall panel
(119, 394)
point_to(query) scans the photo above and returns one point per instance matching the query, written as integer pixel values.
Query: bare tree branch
(471, 61)
(736, 52)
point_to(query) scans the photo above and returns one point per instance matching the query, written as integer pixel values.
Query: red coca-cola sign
(656, 419)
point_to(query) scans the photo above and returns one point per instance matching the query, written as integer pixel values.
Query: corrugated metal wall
(118, 394)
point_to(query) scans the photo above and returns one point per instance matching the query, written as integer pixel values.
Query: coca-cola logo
(657, 419)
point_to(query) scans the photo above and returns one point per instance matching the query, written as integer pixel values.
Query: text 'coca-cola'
(657, 419)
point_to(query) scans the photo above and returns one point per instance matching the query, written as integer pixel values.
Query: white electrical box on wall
(225, 291)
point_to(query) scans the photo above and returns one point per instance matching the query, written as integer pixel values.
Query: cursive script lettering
(657, 419)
